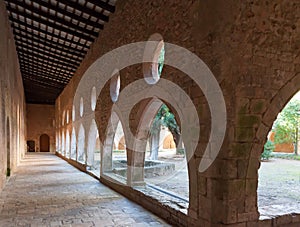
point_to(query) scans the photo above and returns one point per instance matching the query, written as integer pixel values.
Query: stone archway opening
(73, 145)
(44, 143)
(68, 151)
(165, 164)
(93, 150)
(81, 156)
(30, 146)
(279, 172)
(114, 162)
(63, 143)
(119, 154)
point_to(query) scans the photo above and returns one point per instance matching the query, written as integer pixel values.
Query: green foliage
(165, 117)
(268, 149)
(161, 60)
(287, 123)
(180, 151)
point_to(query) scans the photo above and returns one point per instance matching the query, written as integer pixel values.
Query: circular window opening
(93, 99)
(81, 107)
(73, 113)
(154, 56)
(115, 84)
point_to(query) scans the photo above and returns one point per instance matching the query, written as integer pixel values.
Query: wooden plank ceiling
(52, 37)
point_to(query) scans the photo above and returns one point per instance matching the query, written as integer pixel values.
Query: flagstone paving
(47, 191)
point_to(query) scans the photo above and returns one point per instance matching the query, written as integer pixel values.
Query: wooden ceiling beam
(41, 82)
(39, 73)
(43, 60)
(87, 35)
(103, 5)
(86, 10)
(69, 14)
(23, 34)
(38, 56)
(45, 64)
(58, 72)
(39, 30)
(57, 56)
(55, 73)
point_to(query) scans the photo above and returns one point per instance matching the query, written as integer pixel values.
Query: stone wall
(252, 49)
(40, 120)
(12, 103)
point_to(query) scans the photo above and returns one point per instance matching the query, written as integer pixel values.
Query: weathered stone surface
(38, 198)
(41, 120)
(12, 102)
(251, 47)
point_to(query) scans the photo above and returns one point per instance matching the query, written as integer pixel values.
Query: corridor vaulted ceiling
(52, 37)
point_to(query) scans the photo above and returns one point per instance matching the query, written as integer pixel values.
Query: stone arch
(278, 102)
(145, 120)
(73, 113)
(108, 144)
(217, 123)
(63, 145)
(213, 95)
(56, 141)
(92, 137)
(68, 144)
(81, 156)
(59, 140)
(73, 145)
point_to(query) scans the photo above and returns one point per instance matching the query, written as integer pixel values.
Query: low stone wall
(151, 169)
(80, 166)
(288, 220)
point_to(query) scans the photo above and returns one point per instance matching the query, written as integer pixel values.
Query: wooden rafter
(23, 35)
(103, 5)
(39, 30)
(58, 56)
(85, 10)
(54, 25)
(52, 38)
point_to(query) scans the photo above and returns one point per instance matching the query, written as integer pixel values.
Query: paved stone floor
(47, 191)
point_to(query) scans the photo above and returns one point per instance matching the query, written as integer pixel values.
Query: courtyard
(279, 187)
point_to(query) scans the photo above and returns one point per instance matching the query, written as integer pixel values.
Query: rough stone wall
(12, 103)
(252, 48)
(40, 120)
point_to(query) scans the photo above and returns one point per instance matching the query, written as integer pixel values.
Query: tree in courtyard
(164, 117)
(286, 126)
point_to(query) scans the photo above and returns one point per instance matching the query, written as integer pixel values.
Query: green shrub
(180, 151)
(268, 149)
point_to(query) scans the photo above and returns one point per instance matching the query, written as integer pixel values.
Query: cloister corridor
(147, 113)
(35, 196)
